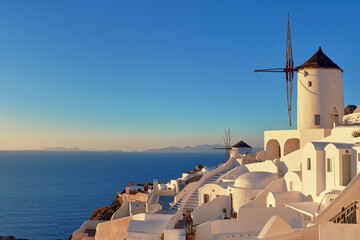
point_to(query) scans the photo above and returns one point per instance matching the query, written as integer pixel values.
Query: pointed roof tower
(241, 144)
(319, 60)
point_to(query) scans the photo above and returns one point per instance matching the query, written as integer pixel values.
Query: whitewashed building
(304, 185)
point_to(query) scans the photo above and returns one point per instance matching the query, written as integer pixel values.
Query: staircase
(181, 186)
(193, 201)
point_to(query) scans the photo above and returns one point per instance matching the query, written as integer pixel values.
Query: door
(346, 169)
(206, 198)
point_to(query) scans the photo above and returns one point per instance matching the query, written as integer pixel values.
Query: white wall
(242, 196)
(267, 166)
(210, 211)
(148, 226)
(250, 220)
(233, 173)
(293, 178)
(212, 190)
(123, 211)
(113, 230)
(325, 93)
(260, 200)
(137, 207)
(333, 231)
(313, 179)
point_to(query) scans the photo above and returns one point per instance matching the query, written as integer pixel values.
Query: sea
(48, 195)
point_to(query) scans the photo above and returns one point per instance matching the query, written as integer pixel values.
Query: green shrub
(190, 228)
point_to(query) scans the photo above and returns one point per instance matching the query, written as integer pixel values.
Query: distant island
(204, 148)
(198, 149)
(62, 149)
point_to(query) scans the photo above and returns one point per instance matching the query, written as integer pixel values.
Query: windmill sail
(289, 70)
(227, 145)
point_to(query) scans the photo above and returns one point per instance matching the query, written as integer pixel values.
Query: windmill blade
(289, 70)
(289, 67)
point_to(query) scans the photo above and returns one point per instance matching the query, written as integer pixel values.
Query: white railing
(228, 177)
(182, 193)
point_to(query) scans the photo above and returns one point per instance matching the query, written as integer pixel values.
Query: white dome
(255, 180)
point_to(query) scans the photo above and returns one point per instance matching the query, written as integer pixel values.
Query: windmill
(227, 144)
(288, 70)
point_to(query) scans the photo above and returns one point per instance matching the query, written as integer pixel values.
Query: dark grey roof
(319, 60)
(241, 144)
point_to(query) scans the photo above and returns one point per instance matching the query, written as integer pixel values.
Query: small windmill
(227, 144)
(288, 70)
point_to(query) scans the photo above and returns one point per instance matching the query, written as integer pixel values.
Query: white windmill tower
(320, 93)
(320, 100)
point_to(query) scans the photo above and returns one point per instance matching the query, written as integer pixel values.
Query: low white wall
(167, 192)
(333, 231)
(293, 161)
(293, 181)
(210, 211)
(182, 193)
(113, 230)
(250, 220)
(233, 173)
(80, 233)
(260, 200)
(267, 166)
(123, 211)
(137, 207)
(148, 226)
(174, 234)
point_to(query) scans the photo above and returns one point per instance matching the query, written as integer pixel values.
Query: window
(309, 164)
(309, 83)
(206, 198)
(359, 157)
(291, 186)
(329, 165)
(317, 119)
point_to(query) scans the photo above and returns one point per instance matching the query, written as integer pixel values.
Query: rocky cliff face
(105, 213)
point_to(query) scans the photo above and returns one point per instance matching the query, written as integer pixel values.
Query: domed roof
(255, 179)
(319, 60)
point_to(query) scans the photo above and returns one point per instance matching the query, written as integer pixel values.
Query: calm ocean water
(48, 195)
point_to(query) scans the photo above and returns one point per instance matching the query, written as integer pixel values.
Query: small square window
(317, 119)
(309, 164)
(329, 165)
(309, 83)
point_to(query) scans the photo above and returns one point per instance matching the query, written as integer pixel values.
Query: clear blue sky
(134, 75)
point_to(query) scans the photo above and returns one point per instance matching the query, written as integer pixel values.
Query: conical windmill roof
(357, 110)
(241, 144)
(319, 60)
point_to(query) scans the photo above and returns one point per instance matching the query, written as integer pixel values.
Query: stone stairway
(181, 187)
(193, 201)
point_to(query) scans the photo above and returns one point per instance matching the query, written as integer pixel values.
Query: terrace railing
(347, 215)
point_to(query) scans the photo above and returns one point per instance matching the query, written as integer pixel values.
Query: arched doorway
(291, 145)
(273, 150)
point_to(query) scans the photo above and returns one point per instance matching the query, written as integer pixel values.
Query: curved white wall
(325, 93)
